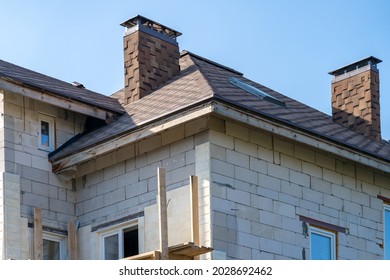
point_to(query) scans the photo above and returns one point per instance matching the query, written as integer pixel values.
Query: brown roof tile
(202, 79)
(28, 78)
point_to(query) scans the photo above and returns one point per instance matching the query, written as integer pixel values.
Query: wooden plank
(386, 200)
(38, 240)
(188, 250)
(173, 256)
(321, 224)
(194, 210)
(162, 210)
(183, 251)
(153, 255)
(72, 242)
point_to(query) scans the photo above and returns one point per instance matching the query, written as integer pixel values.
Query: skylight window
(255, 91)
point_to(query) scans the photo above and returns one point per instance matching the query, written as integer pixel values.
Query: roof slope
(295, 114)
(187, 89)
(202, 80)
(31, 79)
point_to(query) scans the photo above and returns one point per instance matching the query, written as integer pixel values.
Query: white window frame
(57, 238)
(385, 229)
(51, 122)
(118, 229)
(325, 233)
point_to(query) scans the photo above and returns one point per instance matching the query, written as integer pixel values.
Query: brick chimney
(151, 56)
(355, 97)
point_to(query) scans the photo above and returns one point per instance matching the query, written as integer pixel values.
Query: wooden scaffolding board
(184, 251)
(38, 240)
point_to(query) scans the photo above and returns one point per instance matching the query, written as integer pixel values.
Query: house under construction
(190, 160)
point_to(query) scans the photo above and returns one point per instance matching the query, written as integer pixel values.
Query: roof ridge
(211, 87)
(185, 52)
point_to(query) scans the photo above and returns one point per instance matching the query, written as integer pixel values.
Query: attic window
(46, 133)
(255, 91)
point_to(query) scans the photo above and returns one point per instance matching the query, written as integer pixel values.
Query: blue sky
(289, 46)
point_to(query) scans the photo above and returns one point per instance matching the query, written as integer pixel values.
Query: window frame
(325, 233)
(386, 256)
(57, 238)
(51, 121)
(119, 230)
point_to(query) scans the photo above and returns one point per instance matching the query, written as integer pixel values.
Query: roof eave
(226, 110)
(299, 134)
(142, 131)
(57, 100)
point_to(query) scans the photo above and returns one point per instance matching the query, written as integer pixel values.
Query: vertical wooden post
(194, 202)
(194, 210)
(38, 241)
(162, 211)
(72, 242)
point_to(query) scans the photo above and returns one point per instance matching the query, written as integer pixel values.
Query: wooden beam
(322, 224)
(72, 242)
(386, 200)
(38, 240)
(183, 251)
(194, 210)
(162, 211)
(58, 101)
(153, 255)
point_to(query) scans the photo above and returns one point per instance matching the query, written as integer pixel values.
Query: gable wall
(28, 179)
(261, 184)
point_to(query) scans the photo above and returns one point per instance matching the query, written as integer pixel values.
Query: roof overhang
(301, 136)
(141, 131)
(56, 100)
(228, 111)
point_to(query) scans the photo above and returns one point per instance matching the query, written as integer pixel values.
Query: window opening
(46, 133)
(130, 242)
(45, 141)
(51, 250)
(53, 247)
(120, 243)
(386, 227)
(322, 244)
(111, 247)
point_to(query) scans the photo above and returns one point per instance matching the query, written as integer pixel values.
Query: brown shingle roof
(201, 80)
(31, 79)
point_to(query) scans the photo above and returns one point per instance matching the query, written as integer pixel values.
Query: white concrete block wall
(2, 247)
(267, 182)
(126, 187)
(25, 163)
(15, 228)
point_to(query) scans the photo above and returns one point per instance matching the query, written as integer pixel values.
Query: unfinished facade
(276, 178)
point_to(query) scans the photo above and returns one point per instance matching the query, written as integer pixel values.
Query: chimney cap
(143, 21)
(371, 60)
